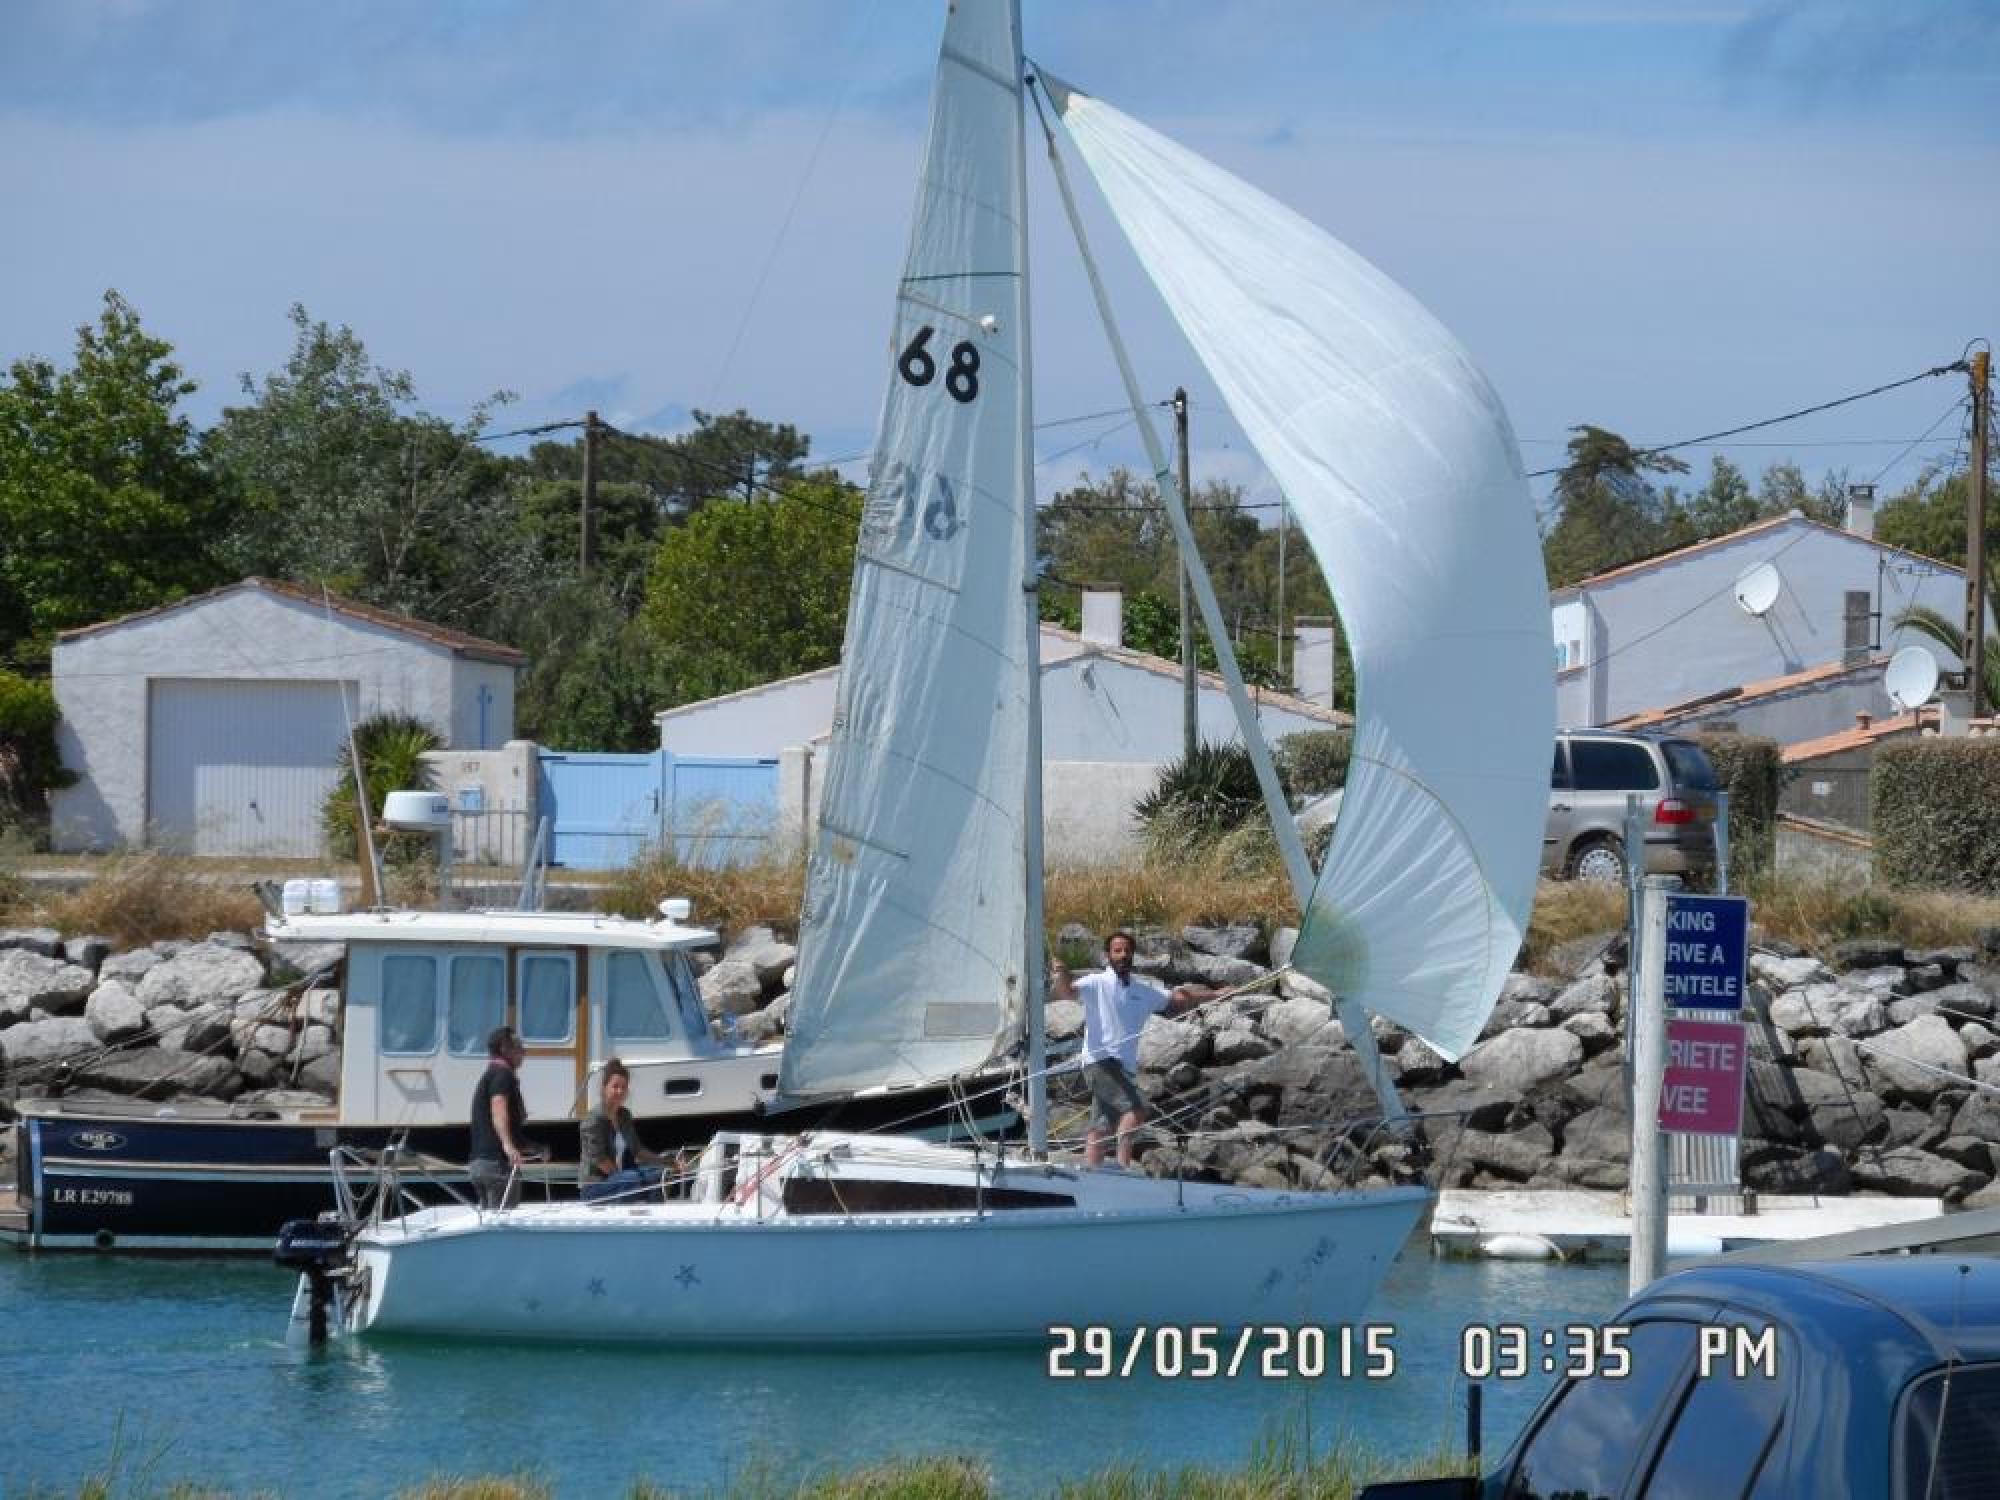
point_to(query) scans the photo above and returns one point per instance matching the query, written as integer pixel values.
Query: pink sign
(1702, 1093)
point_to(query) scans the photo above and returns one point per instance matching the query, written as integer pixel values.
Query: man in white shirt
(1115, 1008)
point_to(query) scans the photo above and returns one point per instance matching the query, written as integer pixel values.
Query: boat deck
(1536, 1225)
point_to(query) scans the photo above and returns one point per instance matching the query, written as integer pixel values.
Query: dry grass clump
(1566, 910)
(1213, 884)
(1818, 913)
(726, 897)
(482, 1487)
(141, 898)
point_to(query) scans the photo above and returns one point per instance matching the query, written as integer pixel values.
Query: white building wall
(1097, 708)
(758, 722)
(1672, 631)
(101, 682)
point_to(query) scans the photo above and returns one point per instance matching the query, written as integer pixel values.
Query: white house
(215, 724)
(1111, 717)
(1671, 629)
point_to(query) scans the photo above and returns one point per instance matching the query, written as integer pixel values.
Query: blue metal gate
(605, 811)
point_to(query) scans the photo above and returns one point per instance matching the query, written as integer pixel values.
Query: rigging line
(791, 213)
(1957, 367)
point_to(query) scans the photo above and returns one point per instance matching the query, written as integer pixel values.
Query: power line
(1957, 367)
(494, 437)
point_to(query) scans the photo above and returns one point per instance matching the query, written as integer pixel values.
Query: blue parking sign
(1708, 945)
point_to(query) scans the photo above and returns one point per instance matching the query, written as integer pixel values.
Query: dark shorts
(1112, 1093)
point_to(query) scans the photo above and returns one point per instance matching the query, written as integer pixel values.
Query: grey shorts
(1112, 1093)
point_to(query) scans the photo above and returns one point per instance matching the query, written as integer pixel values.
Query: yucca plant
(392, 748)
(1206, 794)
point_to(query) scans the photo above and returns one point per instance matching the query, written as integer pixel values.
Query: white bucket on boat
(297, 897)
(324, 896)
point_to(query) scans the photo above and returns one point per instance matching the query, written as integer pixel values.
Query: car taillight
(1673, 810)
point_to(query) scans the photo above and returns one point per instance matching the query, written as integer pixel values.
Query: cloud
(1837, 51)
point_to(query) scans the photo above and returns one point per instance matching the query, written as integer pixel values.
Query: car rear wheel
(1600, 862)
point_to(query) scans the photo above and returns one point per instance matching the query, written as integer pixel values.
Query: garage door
(241, 767)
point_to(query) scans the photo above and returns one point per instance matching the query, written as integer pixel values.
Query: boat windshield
(1951, 1434)
(687, 995)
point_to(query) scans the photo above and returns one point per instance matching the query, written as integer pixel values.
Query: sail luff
(913, 935)
(1402, 468)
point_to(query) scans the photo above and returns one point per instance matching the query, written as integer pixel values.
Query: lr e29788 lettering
(1201, 1351)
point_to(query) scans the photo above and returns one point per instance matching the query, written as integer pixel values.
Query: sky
(1664, 217)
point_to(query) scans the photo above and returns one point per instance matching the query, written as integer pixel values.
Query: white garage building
(215, 725)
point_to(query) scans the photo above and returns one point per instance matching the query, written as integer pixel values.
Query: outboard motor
(318, 1250)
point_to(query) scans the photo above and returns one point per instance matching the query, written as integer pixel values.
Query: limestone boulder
(1961, 1002)
(1594, 1030)
(114, 1012)
(766, 954)
(152, 1074)
(32, 1044)
(1862, 1015)
(322, 1007)
(35, 981)
(131, 966)
(1239, 940)
(44, 942)
(1519, 1061)
(1297, 986)
(1063, 1020)
(1919, 1058)
(1164, 1043)
(1787, 973)
(1594, 994)
(1287, 1021)
(1422, 1065)
(322, 1075)
(88, 950)
(292, 959)
(1238, 1044)
(1906, 1172)
(200, 975)
(1602, 1133)
(1516, 1155)
(168, 1024)
(1219, 970)
(1511, 1014)
(731, 988)
(315, 1041)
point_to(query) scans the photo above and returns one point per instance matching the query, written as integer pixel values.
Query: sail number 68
(917, 365)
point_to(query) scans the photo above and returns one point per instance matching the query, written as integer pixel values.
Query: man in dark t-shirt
(497, 1116)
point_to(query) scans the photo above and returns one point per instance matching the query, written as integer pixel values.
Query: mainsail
(913, 936)
(1402, 468)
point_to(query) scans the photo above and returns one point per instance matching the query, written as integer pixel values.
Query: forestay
(913, 929)
(1402, 469)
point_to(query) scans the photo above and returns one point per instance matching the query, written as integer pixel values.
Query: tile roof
(458, 641)
(1748, 692)
(1675, 554)
(1857, 738)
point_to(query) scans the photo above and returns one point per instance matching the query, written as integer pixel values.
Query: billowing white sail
(1403, 471)
(912, 936)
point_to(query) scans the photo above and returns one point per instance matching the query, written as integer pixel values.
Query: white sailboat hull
(1132, 1251)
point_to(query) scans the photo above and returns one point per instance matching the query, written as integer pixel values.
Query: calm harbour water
(179, 1370)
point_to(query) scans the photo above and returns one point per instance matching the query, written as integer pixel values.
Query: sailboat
(921, 934)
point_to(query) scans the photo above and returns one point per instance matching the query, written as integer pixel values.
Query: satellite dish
(1757, 590)
(1912, 677)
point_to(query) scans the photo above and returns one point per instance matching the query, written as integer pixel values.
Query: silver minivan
(1594, 771)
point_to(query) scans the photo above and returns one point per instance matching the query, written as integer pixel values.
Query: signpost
(1701, 1092)
(1708, 944)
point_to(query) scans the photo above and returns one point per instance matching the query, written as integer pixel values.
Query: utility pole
(1189, 714)
(1975, 534)
(587, 543)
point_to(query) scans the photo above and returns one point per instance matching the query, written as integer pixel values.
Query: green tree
(344, 482)
(748, 591)
(593, 680)
(1929, 517)
(105, 503)
(1608, 513)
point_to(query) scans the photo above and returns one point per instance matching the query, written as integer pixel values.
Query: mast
(1034, 971)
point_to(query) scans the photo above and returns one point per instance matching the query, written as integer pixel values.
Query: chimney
(1312, 659)
(1104, 616)
(1862, 719)
(1861, 510)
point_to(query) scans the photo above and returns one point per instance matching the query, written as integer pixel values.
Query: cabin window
(632, 1008)
(687, 994)
(409, 1003)
(548, 997)
(477, 1003)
